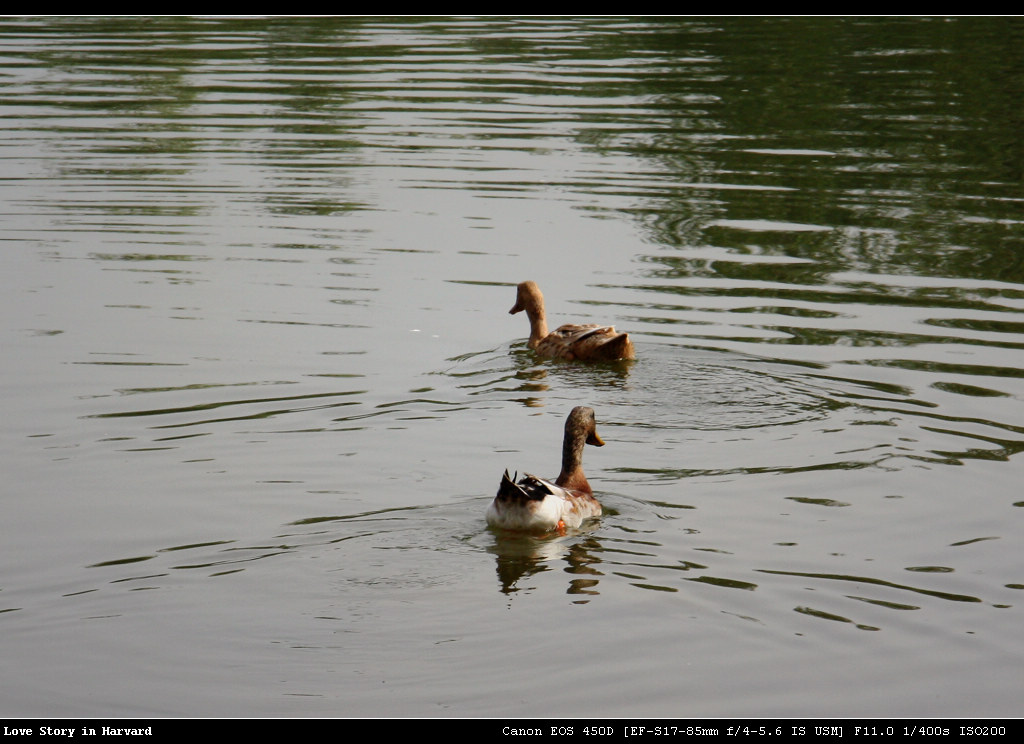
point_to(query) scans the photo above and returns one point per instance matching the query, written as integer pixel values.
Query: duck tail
(529, 488)
(619, 346)
(508, 490)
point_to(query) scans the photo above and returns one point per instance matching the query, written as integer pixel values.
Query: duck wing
(590, 341)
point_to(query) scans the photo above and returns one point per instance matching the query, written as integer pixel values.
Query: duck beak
(516, 308)
(595, 440)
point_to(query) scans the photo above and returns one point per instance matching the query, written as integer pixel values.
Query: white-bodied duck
(537, 505)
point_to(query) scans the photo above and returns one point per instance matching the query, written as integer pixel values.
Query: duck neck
(538, 325)
(572, 476)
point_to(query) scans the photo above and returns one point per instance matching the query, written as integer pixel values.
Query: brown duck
(588, 343)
